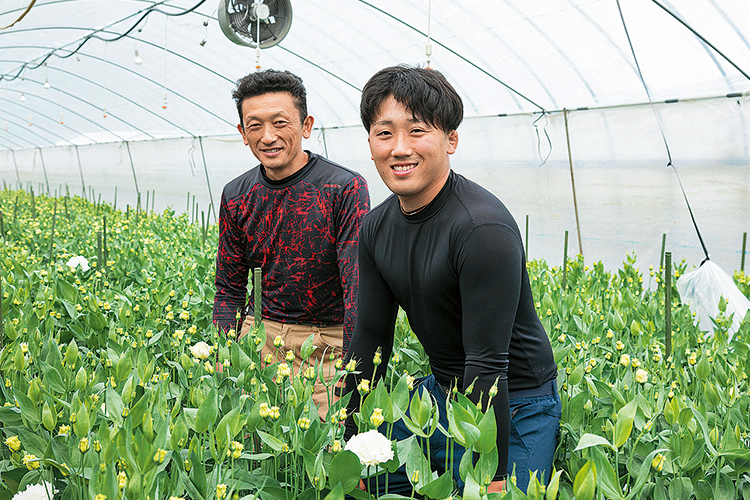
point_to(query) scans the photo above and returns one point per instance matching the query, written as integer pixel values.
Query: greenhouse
(616, 132)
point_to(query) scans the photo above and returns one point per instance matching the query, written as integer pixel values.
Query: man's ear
(242, 133)
(307, 126)
(452, 141)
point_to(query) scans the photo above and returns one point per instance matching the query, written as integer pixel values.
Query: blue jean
(534, 430)
(398, 482)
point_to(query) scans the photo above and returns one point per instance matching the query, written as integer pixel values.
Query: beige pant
(328, 339)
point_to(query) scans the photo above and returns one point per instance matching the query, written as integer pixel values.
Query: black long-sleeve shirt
(458, 270)
(302, 232)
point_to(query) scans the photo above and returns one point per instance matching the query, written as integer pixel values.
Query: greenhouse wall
(627, 197)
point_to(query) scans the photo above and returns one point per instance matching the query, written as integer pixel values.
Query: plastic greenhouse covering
(135, 96)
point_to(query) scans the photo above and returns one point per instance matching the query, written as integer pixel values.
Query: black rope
(663, 136)
(148, 11)
(539, 139)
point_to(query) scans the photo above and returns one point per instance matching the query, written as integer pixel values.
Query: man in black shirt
(450, 254)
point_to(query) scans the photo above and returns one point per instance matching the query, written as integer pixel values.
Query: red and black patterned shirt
(302, 232)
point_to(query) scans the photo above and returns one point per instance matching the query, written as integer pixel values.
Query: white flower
(201, 350)
(79, 260)
(641, 376)
(371, 447)
(36, 492)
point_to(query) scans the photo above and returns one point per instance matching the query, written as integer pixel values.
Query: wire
(661, 129)
(95, 35)
(21, 16)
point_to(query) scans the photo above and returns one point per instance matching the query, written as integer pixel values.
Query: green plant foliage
(106, 393)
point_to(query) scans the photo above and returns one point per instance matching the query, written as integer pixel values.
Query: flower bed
(116, 385)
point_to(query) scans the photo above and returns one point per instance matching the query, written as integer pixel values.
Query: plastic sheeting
(556, 54)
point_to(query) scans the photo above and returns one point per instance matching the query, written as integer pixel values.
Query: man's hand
(496, 486)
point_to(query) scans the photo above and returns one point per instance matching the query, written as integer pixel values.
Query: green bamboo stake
(663, 246)
(99, 249)
(114, 205)
(257, 292)
(52, 233)
(744, 246)
(527, 236)
(148, 194)
(187, 205)
(203, 227)
(15, 211)
(668, 305)
(66, 207)
(104, 243)
(33, 204)
(565, 262)
(2, 231)
(153, 199)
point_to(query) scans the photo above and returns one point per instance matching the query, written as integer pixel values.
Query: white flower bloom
(201, 350)
(36, 492)
(371, 447)
(641, 376)
(79, 260)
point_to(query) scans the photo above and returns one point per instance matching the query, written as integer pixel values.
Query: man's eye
(280, 123)
(383, 133)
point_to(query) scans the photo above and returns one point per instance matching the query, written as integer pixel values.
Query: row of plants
(116, 385)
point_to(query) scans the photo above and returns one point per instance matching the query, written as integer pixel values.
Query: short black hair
(423, 91)
(270, 81)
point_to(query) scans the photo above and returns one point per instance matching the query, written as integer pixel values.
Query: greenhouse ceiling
(91, 71)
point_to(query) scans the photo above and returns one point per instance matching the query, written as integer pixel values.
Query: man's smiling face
(271, 127)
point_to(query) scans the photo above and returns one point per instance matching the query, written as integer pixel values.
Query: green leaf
(337, 493)
(307, 347)
(584, 485)
(488, 433)
(589, 440)
(439, 488)
(553, 486)
(624, 425)
(703, 368)
(207, 412)
(464, 432)
(272, 441)
(345, 471)
(29, 411)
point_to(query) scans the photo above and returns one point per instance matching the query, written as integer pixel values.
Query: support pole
(208, 182)
(744, 246)
(132, 167)
(573, 182)
(80, 171)
(668, 306)
(258, 304)
(44, 169)
(565, 262)
(661, 256)
(15, 164)
(527, 236)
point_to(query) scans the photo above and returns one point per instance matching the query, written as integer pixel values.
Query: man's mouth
(271, 151)
(403, 168)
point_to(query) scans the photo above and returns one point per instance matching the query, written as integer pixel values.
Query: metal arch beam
(12, 142)
(93, 106)
(558, 49)
(134, 73)
(32, 132)
(145, 42)
(69, 110)
(96, 84)
(47, 117)
(704, 43)
(463, 58)
(606, 36)
(523, 63)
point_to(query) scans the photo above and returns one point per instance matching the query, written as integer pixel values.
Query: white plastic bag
(702, 290)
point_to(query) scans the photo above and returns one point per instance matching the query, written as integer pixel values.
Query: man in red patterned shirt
(297, 217)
